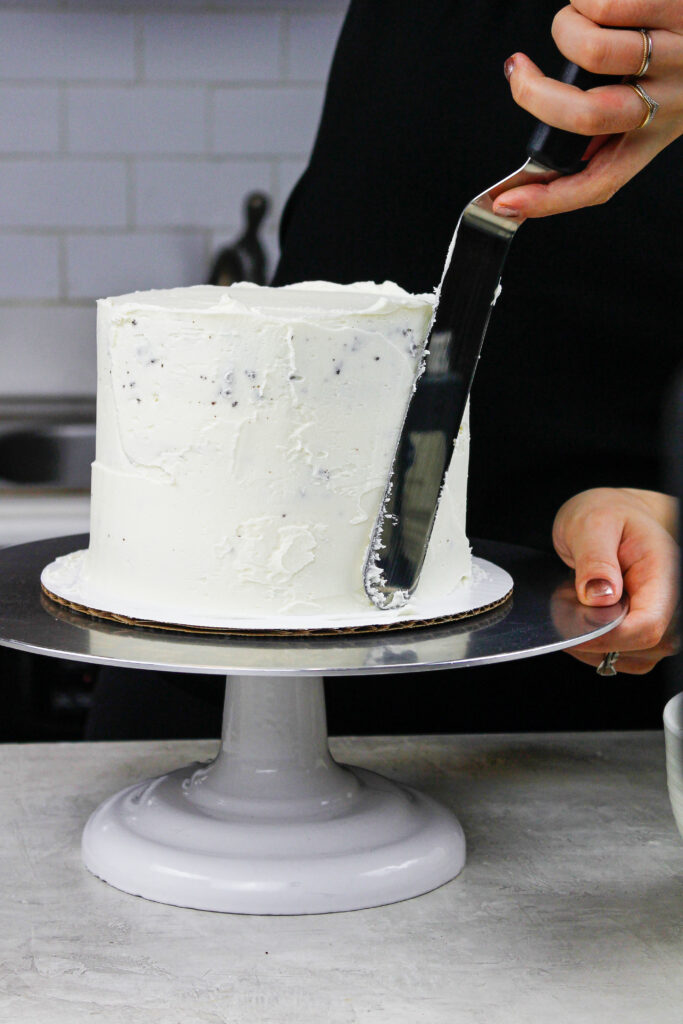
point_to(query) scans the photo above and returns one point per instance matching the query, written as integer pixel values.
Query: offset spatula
(468, 289)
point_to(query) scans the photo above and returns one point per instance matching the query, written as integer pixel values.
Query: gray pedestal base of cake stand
(273, 825)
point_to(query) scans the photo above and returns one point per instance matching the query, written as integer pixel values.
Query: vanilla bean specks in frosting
(244, 441)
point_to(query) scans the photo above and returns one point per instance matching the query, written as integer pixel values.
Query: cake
(245, 437)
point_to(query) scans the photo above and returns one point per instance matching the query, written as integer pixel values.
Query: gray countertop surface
(569, 909)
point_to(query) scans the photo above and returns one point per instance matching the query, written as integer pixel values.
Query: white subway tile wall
(29, 119)
(40, 253)
(40, 45)
(211, 47)
(269, 120)
(194, 193)
(130, 132)
(116, 263)
(62, 193)
(136, 119)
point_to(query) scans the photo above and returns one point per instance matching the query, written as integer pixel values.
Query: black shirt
(585, 338)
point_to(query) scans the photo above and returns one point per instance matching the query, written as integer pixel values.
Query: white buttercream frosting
(244, 440)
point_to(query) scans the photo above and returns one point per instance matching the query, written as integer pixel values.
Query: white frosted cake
(244, 441)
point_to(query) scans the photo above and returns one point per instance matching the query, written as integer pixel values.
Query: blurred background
(131, 135)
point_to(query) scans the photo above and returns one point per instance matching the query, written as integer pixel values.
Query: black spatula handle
(559, 150)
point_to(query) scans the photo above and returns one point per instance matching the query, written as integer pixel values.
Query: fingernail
(509, 67)
(505, 211)
(599, 588)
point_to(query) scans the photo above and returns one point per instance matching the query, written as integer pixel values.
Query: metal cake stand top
(543, 615)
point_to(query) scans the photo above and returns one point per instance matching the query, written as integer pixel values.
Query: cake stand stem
(273, 825)
(274, 760)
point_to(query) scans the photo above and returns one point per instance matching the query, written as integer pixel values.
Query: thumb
(591, 546)
(598, 579)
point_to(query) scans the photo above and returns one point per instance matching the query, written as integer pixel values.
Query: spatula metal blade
(465, 297)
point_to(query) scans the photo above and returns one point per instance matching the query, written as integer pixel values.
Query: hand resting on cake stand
(620, 539)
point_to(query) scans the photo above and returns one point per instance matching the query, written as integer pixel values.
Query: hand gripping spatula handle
(465, 297)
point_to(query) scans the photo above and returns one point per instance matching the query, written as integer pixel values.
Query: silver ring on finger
(606, 666)
(652, 105)
(647, 53)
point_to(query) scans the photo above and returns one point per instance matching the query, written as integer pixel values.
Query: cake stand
(273, 825)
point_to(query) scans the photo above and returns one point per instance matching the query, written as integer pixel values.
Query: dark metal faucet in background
(245, 258)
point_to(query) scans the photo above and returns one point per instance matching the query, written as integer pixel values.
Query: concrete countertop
(569, 910)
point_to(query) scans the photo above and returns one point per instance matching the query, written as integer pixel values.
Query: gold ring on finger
(652, 105)
(647, 53)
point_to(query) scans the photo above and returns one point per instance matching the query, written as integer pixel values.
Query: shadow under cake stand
(274, 825)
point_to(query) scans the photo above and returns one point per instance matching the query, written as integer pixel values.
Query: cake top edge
(320, 297)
